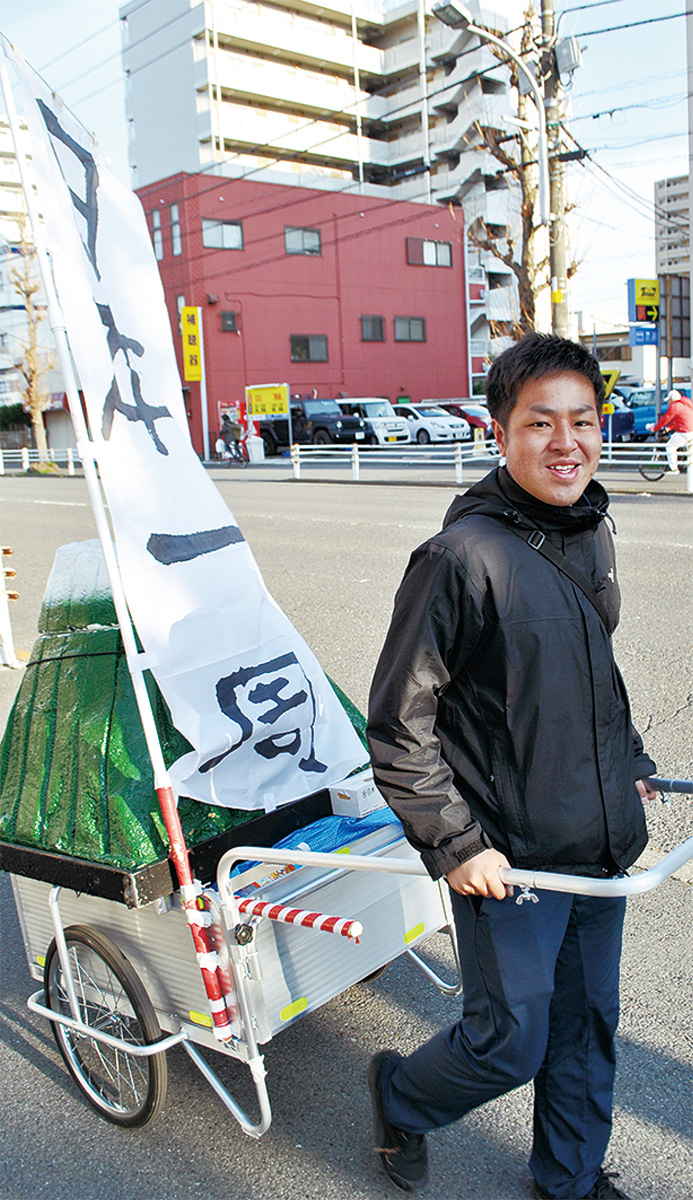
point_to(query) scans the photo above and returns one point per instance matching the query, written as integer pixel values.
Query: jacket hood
(497, 495)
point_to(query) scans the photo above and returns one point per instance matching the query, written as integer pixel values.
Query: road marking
(53, 503)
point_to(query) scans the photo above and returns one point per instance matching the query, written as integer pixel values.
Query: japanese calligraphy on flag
(241, 684)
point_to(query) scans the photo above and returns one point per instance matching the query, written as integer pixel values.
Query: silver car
(428, 423)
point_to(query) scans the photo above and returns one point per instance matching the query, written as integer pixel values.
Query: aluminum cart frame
(113, 1029)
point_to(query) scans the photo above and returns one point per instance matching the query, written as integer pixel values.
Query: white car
(428, 423)
(379, 414)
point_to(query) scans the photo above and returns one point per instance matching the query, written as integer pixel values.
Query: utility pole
(553, 99)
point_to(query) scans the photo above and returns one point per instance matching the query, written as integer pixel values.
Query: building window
(222, 235)
(157, 237)
(372, 329)
(302, 241)
(311, 348)
(176, 243)
(410, 329)
(424, 253)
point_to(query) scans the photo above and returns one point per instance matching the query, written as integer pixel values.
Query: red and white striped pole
(299, 916)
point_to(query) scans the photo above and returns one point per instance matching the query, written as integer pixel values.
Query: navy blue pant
(540, 1003)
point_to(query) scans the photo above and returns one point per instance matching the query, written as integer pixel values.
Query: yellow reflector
(198, 1018)
(343, 850)
(292, 1010)
(41, 960)
(412, 934)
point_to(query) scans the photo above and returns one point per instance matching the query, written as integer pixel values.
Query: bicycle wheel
(653, 466)
(126, 1090)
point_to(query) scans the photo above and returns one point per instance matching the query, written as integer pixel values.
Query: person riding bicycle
(231, 435)
(679, 418)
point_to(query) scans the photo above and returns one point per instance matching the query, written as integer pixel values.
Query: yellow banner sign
(270, 400)
(190, 331)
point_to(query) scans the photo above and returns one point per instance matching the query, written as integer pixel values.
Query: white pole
(85, 448)
(203, 389)
(426, 137)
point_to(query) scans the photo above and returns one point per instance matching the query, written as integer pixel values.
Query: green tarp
(75, 776)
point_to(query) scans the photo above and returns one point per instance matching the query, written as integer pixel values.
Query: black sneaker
(403, 1156)
(603, 1189)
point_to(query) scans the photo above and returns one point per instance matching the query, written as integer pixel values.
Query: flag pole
(137, 662)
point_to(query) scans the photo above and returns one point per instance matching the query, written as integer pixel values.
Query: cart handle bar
(671, 785)
(550, 881)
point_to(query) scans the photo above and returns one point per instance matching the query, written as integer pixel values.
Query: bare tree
(35, 363)
(517, 161)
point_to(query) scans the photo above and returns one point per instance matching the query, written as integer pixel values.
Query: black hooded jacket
(497, 714)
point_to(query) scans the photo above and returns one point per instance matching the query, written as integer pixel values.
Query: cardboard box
(357, 796)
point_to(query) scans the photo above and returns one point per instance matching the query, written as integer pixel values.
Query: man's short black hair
(535, 355)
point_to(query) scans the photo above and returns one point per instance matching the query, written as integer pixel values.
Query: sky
(627, 106)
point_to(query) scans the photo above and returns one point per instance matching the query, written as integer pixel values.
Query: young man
(500, 734)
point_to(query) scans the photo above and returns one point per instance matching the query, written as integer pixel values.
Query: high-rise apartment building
(672, 236)
(366, 96)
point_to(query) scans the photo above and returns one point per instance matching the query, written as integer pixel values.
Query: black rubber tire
(126, 1090)
(379, 971)
(652, 468)
(423, 437)
(322, 438)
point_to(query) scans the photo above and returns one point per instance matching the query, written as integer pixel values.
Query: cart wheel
(122, 1088)
(375, 974)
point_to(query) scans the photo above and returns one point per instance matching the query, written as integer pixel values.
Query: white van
(380, 416)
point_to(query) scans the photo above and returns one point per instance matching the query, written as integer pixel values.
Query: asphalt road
(332, 556)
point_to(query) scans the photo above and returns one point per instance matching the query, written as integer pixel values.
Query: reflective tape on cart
(292, 1010)
(412, 934)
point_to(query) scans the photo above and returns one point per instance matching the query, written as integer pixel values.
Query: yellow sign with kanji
(192, 356)
(270, 400)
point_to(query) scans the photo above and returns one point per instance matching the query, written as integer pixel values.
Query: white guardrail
(21, 460)
(457, 456)
(354, 457)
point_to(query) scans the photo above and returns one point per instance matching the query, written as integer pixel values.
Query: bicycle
(237, 454)
(654, 465)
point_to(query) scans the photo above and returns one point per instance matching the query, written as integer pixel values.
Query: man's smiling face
(552, 440)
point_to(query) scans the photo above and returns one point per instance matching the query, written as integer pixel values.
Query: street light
(458, 16)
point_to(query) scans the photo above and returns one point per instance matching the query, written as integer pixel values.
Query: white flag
(242, 685)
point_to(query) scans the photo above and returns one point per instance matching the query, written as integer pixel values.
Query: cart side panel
(155, 939)
(300, 969)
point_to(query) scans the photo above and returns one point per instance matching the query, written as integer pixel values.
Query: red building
(325, 291)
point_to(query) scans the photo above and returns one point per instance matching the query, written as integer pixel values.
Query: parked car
(473, 411)
(617, 426)
(641, 401)
(321, 422)
(384, 426)
(428, 423)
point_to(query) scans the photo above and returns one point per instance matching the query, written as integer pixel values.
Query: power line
(634, 24)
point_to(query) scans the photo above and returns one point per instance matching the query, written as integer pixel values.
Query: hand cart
(121, 986)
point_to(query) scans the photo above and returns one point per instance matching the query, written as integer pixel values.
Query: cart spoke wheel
(125, 1089)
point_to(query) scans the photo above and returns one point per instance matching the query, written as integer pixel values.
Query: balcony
(292, 37)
